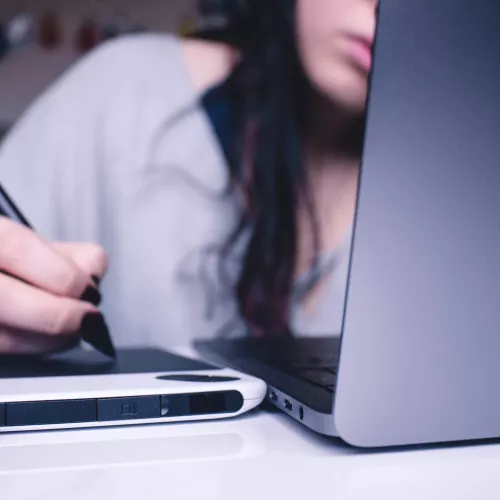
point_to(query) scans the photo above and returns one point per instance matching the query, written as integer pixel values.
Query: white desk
(260, 456)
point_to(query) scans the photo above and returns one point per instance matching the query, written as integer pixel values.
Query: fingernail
(95, 332)
(92, 296)
(96, 280)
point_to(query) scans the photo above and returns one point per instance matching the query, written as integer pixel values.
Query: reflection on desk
(91, 449)
(260, 455)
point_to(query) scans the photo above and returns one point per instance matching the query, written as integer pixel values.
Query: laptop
(418, 357)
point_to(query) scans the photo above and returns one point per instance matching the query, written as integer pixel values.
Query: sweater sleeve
(48, 160)
(64, 159)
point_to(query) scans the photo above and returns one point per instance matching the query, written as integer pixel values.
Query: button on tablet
(133, 408)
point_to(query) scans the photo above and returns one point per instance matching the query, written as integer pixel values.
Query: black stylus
(101, 342)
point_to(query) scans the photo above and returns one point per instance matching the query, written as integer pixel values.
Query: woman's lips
(361, 49)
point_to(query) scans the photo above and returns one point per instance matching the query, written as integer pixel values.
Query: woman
(220, 181)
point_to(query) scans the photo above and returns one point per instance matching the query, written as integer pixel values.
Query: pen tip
(96, 333)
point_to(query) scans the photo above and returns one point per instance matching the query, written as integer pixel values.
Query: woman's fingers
(27, 343)
(26, 308)
(48, 299)
(90, 258)
(26, 256)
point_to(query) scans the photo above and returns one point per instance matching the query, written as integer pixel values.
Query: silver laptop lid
(420, 357)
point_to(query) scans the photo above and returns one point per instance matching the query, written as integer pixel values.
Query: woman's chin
(348, 91)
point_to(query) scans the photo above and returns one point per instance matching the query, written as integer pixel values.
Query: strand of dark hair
(267, 95)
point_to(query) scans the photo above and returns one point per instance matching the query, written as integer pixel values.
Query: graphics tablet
(142, 386)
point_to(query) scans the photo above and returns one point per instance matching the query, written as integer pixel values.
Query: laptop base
(300, 373)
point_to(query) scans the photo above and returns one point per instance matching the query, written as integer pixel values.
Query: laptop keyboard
(319, 371)
(305, 368)
(323, 378)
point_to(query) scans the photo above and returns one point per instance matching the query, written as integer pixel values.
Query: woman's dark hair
(266, 97)
(267, 94)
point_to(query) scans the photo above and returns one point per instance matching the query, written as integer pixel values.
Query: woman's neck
(332, 155)
(333, 131)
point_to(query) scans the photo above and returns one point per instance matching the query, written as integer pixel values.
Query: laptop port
(273, 396)
(288, 405)
(301, 413)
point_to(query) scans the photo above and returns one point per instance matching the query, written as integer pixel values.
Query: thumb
(90, 258)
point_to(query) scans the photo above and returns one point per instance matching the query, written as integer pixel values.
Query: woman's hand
(47, 290)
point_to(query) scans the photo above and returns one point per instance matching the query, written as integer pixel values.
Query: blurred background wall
(27, 68)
